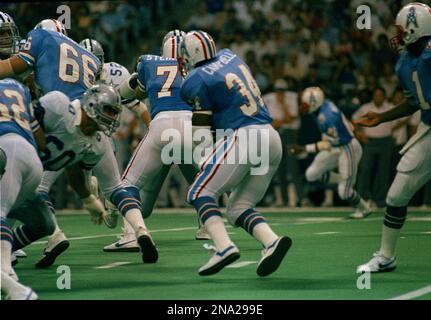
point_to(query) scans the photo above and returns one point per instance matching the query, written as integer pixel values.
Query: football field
(321, 263)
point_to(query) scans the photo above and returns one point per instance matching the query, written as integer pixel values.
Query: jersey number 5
(251, 92)
(171, 72)
(69, 69)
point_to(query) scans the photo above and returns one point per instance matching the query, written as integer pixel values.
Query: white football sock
(6, 252)
(127, 227)
(216, 229)
(57, 228)
(10, 285)
(134, 217)
(389, 241)
(264, 234)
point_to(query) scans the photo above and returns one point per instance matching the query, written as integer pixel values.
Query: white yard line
(118, 234)
(240, 264)
(113, 265)
(325, 233)
(414, 294)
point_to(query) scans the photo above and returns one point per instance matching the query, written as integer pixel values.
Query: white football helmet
(9, 36)
(413, 22)
(173, 33)
(171, 47)
(311, 100)
(197, 46)
(52, 25)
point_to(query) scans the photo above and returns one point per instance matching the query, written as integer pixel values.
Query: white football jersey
(65, 143)
(115, 74)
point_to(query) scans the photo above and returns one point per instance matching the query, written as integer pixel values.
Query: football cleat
(362, 211)
(16, 290)
(126, 243)
(147, 246)
(202, 234)
(220, 260)
(57, 244)
(273, 255)
(378, 263)
(111, 219)
(20, 253)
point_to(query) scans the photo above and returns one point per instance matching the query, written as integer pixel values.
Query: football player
(77, 139)
(338, 149)
(9, 36)
(114, 74)
(225, 96)
(58, 62)
(414, 169)
(21, 171)
(160, 78)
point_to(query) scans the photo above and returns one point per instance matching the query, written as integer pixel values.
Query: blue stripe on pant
(208, 169)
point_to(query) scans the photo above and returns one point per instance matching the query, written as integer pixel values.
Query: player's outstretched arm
(372, 119)
(78, 182)
(12, 66)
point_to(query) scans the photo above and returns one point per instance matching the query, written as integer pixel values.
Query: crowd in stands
(289, 45)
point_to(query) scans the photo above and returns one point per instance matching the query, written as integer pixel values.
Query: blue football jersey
(334, 125)
(226, 86)
(414, 74)
(15, 110)
(59, 63)
(161, 78)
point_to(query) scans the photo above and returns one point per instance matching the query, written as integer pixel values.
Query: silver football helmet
(103, 104)
(9, 35)
(94, 47)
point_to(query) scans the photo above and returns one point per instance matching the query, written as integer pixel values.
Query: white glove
(95, 207)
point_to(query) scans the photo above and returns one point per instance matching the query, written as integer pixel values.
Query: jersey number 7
(171, 72)
(251, 92)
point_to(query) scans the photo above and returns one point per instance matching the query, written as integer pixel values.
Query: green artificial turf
(321, 263)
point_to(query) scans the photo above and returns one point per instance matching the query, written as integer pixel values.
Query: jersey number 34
(250, 92)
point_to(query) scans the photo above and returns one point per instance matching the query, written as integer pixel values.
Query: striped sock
(249, 219)
(210, 216)
(395, 217)
(354, 199)
(45, 197)
(6, 240)
(206, 207)
(23, 236)
(255, 224)
(126, 198)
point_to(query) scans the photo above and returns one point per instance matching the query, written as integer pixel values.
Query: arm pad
(127, 88)
(319, 146)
